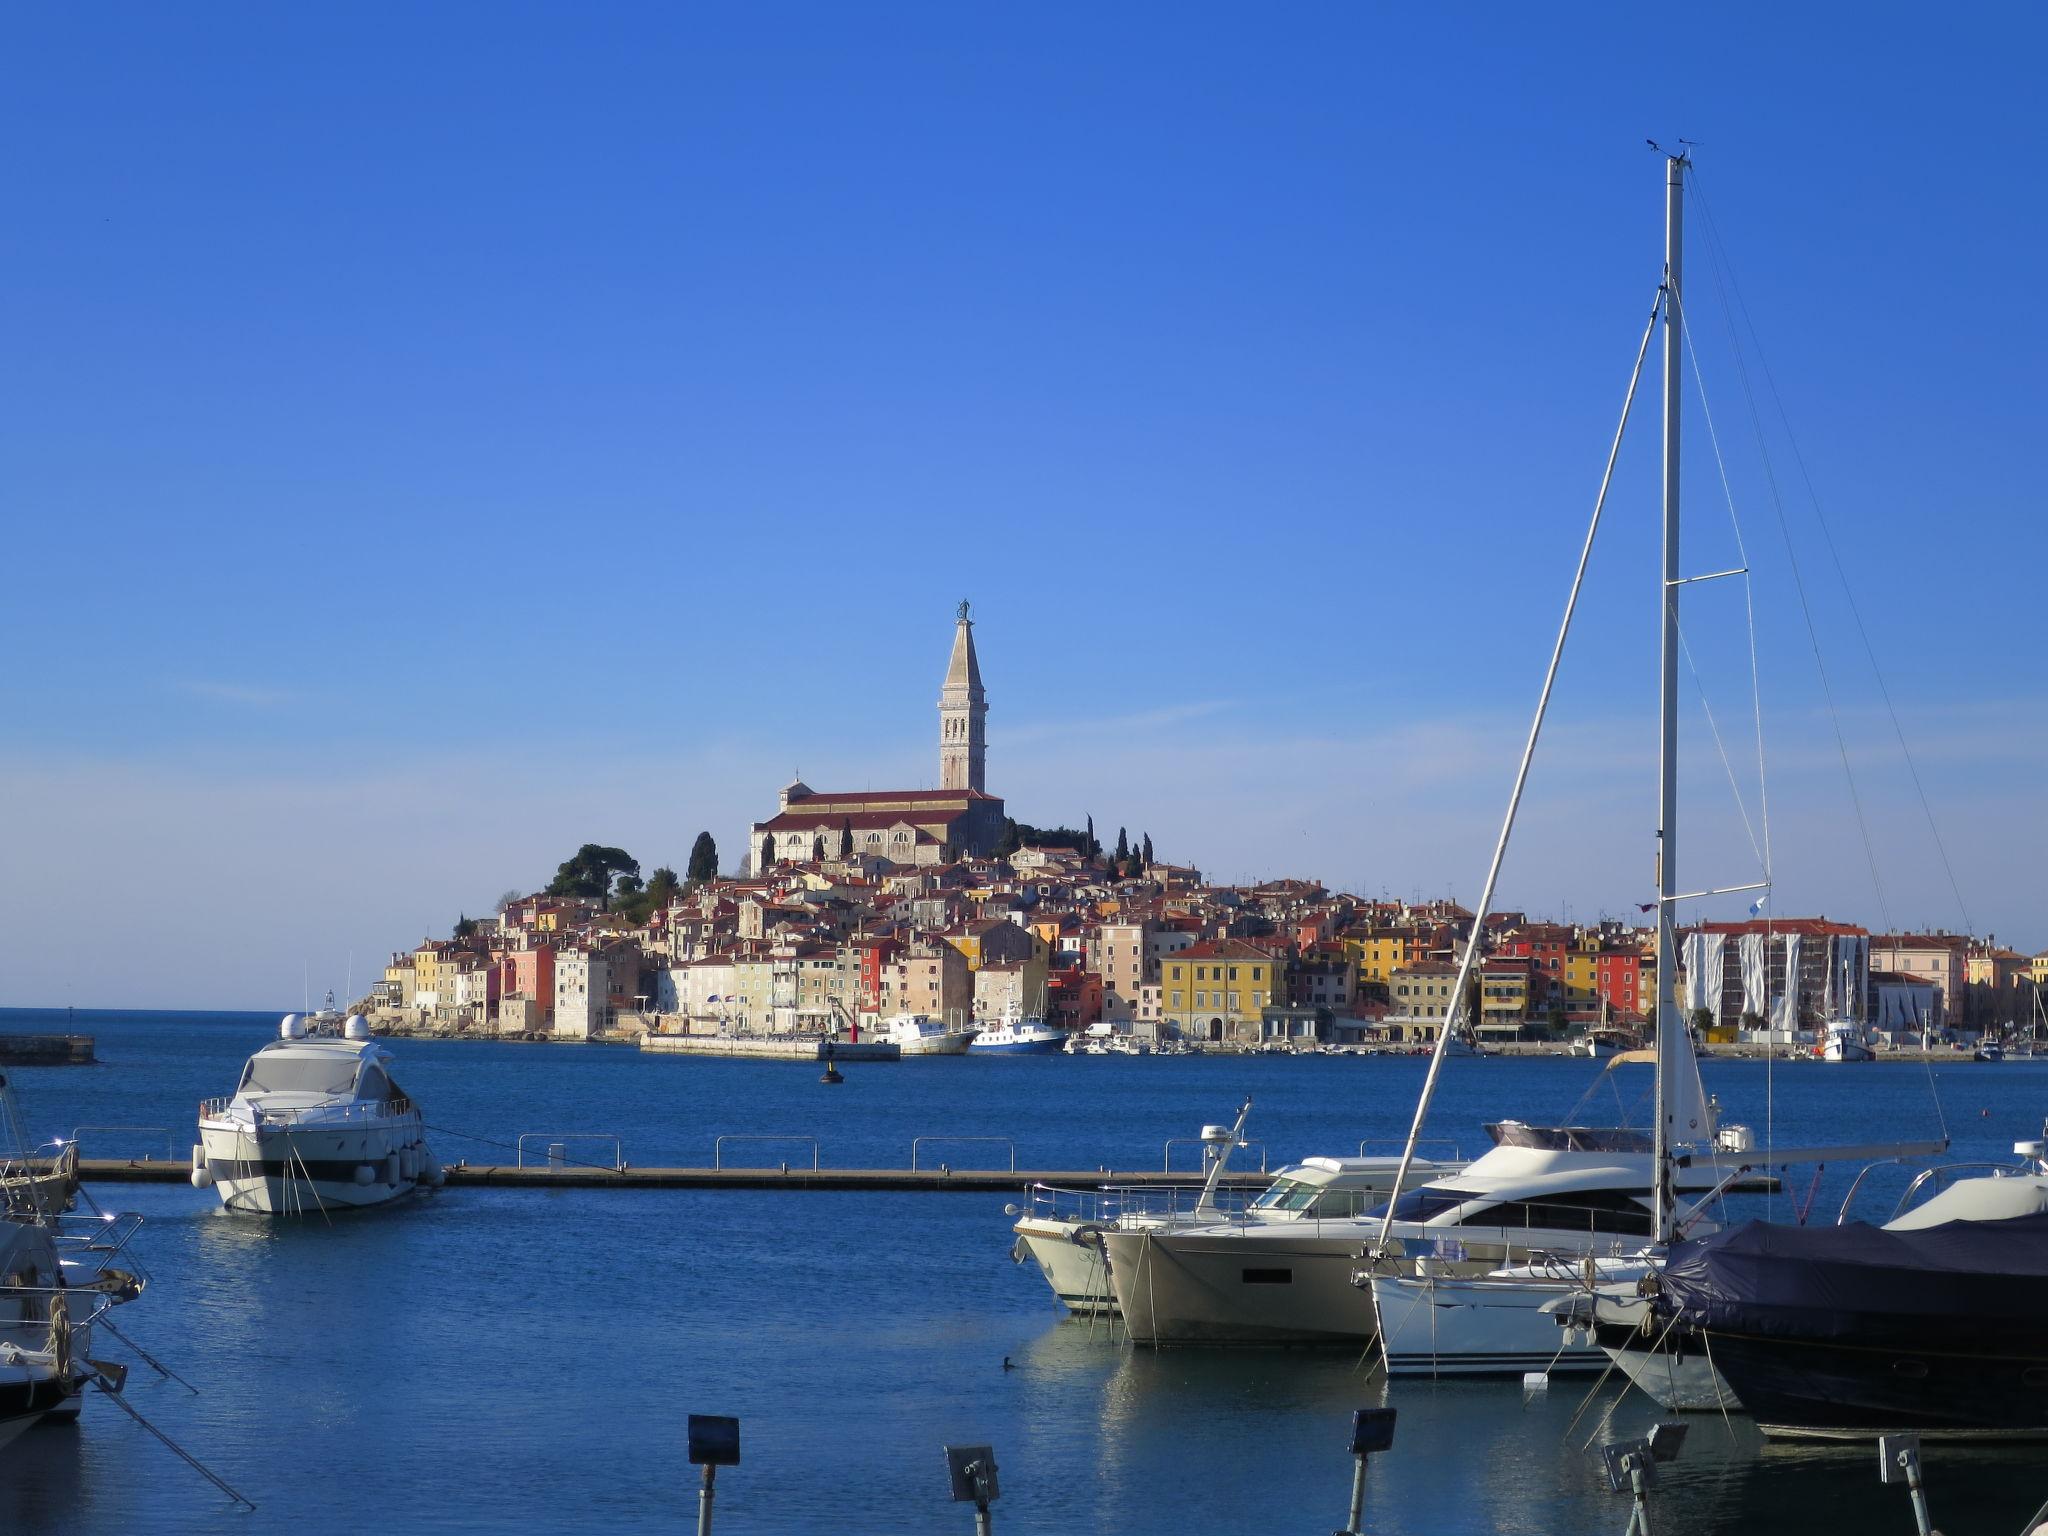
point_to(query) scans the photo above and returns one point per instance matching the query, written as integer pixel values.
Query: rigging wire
(1717, 260)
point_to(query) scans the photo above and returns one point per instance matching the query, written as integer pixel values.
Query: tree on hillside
(1147, 855)
(509, 898)
(703, 863)
(662, 886)
(846, 837)
(1093, 848)
(1123, 847)
(464, 926)
(590, 873)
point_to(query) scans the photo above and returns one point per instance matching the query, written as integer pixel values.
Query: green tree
(1092, 849)
(1148, 850)
(464, 927)
(1123, 847)
(846, 837)
(591, 871)
(1011, 840)
(662, 886)
(703, 863)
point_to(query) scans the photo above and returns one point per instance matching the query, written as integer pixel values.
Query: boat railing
(396, 1107)
(718, 1147)
(558, 1144)
(917, 1147)
(1939, 1176)
(1391, 1146)
(1166, 1155)
(78, 1135)
(1109, 1204)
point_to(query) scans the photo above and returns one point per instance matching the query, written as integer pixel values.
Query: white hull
(308, 1168)
(935, 1045)
(1481, 1325)
(1070, 1255)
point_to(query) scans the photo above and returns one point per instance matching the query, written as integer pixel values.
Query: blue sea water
(519, 1360)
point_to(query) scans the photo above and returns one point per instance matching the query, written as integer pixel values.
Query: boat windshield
(298, 1074)
(1424, 1204)
(1287, 1195)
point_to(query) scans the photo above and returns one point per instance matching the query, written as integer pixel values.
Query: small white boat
(919, 1034)
(1845, 1042)
(316, 1123)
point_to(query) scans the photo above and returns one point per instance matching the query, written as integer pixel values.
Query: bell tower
(963, 715)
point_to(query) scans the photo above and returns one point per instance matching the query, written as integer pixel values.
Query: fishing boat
(1017, 1036)
(1843, 1041)
(316, 1124)
(919, 1034)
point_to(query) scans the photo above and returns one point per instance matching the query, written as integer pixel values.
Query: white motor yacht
(1845, 1042)
(316, 1123)
(1062, 1230)
(918, 1034)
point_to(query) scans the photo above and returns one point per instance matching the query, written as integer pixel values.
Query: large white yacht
(1540, 1191)
(919, 1034)
(316, 1123)
(1061, 1230)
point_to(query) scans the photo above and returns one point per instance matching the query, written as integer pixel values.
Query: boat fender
(1018, 1250)
(202, 1176)
(1087, 1235)
(408, 1163)
(60, 1337)
(434, 1174)
(391, 1168)
(365, 1174)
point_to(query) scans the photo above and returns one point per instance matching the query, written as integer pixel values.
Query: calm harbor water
(500, 1360)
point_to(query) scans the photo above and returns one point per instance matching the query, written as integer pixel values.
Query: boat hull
(1239, 1288)
(1477, 1326)
(274, 1171)
(1049, 1047)
(1809, 1389)
(1070, 1256)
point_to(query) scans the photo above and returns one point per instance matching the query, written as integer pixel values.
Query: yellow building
(1383, 951)
(1219, 990)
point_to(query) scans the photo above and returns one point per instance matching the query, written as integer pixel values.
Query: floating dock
(106, 1170)
(785, 1048)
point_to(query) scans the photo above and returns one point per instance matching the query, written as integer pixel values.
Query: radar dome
(355, 1027)
(291, 1028)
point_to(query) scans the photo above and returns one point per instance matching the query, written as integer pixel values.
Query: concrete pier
(505, 1176)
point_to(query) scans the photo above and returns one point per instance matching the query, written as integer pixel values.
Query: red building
(1073, 998)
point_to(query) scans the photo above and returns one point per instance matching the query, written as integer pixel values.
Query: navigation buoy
(832, 1073)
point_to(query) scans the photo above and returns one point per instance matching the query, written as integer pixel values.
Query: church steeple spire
(963, 715)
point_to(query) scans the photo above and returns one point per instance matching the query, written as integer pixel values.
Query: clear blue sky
(433, 437)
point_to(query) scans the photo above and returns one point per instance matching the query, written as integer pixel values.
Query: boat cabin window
(1424, 1204)
(299, 1074)
(376, 1086)
(1295, 1196)
(1591, 1210)
(1287, 1195)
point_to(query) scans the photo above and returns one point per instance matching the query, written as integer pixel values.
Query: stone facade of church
(906, 826)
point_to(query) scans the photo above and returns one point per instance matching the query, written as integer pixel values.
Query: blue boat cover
(1970, 1285)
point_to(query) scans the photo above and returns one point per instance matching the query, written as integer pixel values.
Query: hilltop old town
(853, 908)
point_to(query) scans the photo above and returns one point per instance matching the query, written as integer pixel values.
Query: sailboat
(1437, 1321)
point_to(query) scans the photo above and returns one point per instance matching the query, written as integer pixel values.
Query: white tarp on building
(1703, 959)
(1754, 1000)
(1785, 1007)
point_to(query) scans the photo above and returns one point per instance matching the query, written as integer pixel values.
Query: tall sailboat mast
(1670, 1026)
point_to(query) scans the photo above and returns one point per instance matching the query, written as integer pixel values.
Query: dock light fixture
(1632, 1469)
(972, 1472)
(1372, 1431)
(714, 1442)
(1898, 1461)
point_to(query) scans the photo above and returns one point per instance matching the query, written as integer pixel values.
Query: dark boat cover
(1969, 1285)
